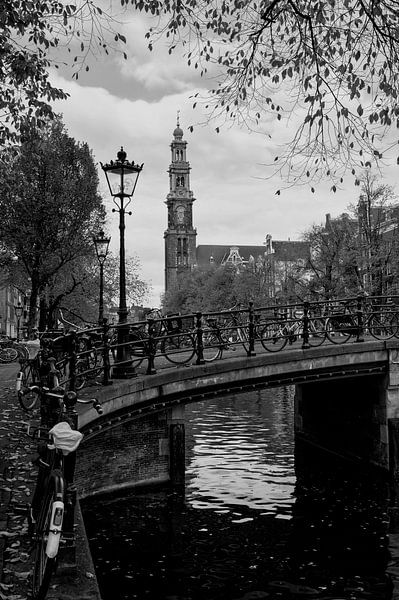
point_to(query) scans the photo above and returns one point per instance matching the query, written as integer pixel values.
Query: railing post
(72, 362)
(251, 330)
(106, 351)
(200, 344)
(360, 319)
(151, 348)
(305, 332)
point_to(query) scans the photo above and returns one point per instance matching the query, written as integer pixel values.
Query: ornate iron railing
(161, 341)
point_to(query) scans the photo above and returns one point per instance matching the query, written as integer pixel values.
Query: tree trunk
(32, 318)
(43, 314)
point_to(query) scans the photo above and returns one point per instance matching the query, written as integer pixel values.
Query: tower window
(180, 181)
(179, 154)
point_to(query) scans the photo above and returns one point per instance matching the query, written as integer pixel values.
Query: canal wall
(356, 417)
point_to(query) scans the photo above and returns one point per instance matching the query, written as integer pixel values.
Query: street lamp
(19, 309)
(122, 177)
(101, 244)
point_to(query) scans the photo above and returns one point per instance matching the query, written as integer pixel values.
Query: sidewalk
(17, 480)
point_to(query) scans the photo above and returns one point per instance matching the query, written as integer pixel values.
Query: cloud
(234, 190)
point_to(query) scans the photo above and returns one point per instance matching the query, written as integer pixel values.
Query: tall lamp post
(19, 309)
(101, 244)
(122, 177)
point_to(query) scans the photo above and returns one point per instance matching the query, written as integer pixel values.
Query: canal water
(259, 517)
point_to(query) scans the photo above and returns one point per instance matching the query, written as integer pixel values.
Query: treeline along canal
(259, 518)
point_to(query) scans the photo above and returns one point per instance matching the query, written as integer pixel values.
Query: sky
(133, 103)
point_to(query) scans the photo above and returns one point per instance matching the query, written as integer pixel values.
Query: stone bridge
(347, 401)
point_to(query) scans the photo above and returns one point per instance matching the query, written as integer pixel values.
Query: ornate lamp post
(122, 177)
(19, 309)
(101, 244)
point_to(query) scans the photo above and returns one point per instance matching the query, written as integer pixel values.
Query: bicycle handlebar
(37, 390)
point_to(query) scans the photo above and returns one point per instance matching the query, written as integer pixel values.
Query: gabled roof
(283, 250)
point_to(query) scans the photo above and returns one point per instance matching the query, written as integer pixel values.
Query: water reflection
(254, 522)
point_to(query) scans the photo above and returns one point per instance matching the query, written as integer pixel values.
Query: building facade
(277, 259)
(180, 236)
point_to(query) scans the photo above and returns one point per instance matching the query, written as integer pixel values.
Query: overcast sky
(134, 104)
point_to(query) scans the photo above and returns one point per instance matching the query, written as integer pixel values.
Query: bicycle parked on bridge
(171, 335)
(284, 329)
(57, 443)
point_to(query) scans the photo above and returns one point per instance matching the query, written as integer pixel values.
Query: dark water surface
(258, 520)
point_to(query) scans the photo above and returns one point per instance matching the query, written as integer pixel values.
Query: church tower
(180, 236)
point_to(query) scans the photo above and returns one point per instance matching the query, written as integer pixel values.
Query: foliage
(50, 209)
(136, 289)
(325, 68)
(33, 37)
(335, 271)
(225, 287)
(82, 304)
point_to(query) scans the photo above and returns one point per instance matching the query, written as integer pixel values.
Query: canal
(259, 517)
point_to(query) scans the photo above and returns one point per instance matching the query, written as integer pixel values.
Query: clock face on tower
(180, 214)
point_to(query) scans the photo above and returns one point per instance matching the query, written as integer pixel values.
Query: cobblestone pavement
(17, 479)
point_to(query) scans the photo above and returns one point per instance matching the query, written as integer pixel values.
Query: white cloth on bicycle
(65, 438)
(33, 347)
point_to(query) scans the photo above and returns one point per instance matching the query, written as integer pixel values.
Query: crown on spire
(178, 132)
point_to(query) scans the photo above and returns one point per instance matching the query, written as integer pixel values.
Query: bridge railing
(94, 354)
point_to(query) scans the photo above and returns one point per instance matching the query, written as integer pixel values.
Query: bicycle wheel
(317, 332)
(178, 348)
(27, 377)
(46, 541)
(272, 337)
(212, 345)
(339, 330)
(383, 326)
(8, 355)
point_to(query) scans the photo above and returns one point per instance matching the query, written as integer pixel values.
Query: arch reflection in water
(249, 526)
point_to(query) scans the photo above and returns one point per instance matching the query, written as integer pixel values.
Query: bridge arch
(139, 440)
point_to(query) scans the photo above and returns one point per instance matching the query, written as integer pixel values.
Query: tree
(221, 288)
(378, 234)
(334, 263)
(81, 304)
(329, 65)
(357, 252)
(35, 36)
(50, 209)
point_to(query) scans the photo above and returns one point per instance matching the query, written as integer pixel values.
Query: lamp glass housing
(101, 244)
(19, 309)
(121, 175)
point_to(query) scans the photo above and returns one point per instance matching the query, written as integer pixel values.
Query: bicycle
(29, 374)
(275, 335)
(341, 325)
(57, 446)
(382, 321)
(175, 341)
(8, 353)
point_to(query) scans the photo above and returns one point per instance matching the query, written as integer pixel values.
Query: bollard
(199, 341)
